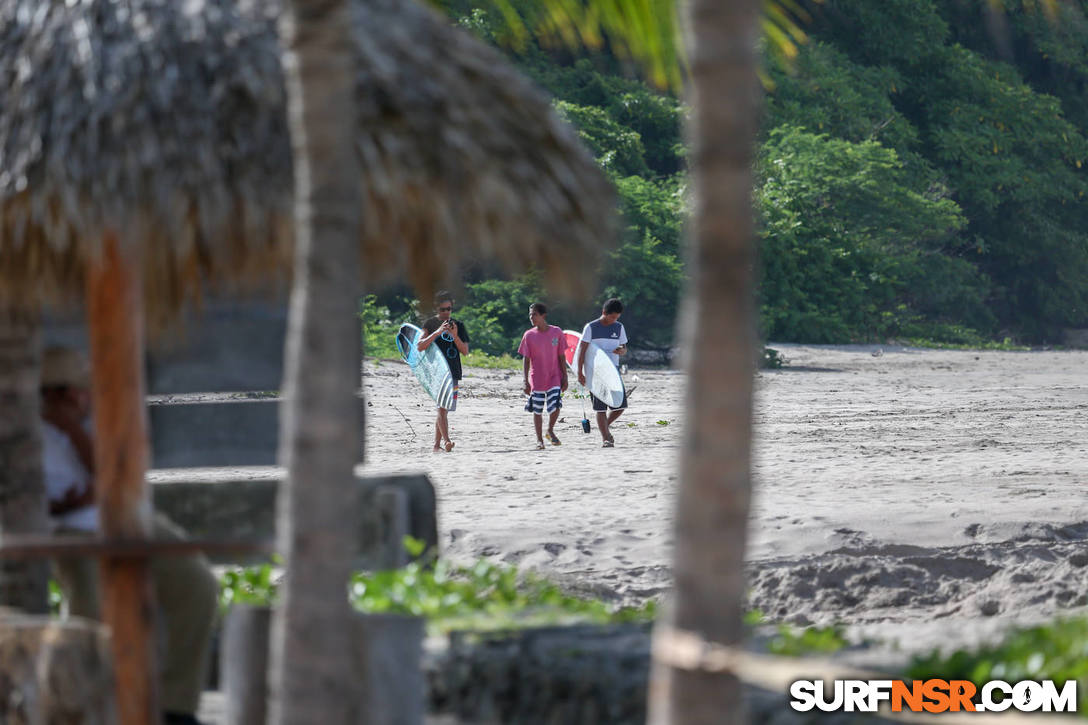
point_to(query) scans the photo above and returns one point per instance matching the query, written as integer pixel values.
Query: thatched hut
(164, 121)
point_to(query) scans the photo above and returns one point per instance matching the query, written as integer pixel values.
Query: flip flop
(449, 446)
(553, 438)
(608, 444)
(540, 446)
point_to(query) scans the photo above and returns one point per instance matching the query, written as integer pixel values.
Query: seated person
(185, 588)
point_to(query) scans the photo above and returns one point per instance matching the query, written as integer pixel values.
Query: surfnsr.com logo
(933, 696)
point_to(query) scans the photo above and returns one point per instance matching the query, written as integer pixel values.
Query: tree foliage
(997, 109)
(842, 230)
(921, 174)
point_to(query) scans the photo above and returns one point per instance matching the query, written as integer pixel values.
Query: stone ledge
(54, 671)
(389, 507)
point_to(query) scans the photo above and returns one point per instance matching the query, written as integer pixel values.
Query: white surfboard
(430, 366)
(602, 377)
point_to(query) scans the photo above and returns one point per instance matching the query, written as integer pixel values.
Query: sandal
(608, 444)
(449, 446)
(540, 446)
(553, 438)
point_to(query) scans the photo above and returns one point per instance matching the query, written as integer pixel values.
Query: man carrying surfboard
(543, 347)
(451, 337)
(607, 333)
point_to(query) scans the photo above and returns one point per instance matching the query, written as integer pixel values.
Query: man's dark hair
(612, 306)
(443, 296)
(539, 307)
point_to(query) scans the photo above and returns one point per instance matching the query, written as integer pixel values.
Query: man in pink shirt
(543, 348)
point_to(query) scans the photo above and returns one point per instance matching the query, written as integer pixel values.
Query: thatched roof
(164, 121)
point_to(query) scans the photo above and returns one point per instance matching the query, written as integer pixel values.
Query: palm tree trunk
(718, 330)
(23, 504)
(311, 668)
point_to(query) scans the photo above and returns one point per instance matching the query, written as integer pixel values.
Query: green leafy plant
(792, 642)
(476, 359)
(254, 585)
(56, 597)
(772, 359)
(753, 618)
(483, 595)
(379, 329)
(1054, 651)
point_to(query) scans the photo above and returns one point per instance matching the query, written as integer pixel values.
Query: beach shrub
(788, 641)
(496, 312)
(1055, 651)
(771, 359)
(483, 595)
(477, 359)
(55, 597)
(379, 329)
(793, 642)
(254, 585)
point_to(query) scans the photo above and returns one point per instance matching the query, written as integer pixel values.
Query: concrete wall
(213, 382)
(390, 507)
(573, 675)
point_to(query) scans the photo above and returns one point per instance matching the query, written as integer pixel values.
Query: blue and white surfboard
(430, 366)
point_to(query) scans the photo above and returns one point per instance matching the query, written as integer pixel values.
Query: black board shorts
(600, 406)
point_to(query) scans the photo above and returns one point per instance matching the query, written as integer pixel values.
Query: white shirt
(63, 472)
(606, 337)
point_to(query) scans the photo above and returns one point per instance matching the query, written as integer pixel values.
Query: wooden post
(115, 323)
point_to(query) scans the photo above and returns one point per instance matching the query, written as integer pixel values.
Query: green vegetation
(918, 178)
(55, 597)
(793, 642)
(771, 359)
(789, 641)
(252, 585)
(989, 124)
(477, 359)
(481, 596)
(1056, 651)
(379, 329)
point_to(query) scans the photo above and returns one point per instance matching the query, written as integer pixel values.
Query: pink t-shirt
(543, 350)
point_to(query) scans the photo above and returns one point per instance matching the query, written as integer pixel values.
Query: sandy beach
(916, 496)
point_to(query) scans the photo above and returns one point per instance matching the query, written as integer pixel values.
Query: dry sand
(917, 496)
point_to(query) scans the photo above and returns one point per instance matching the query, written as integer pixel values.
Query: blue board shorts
(541, 400)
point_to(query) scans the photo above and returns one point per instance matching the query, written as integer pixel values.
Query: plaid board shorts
(541, 400)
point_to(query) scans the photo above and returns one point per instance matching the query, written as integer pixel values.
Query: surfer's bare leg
(441, 429)
(554, 416)
(605, 420)
(602, 425)
(538, 425)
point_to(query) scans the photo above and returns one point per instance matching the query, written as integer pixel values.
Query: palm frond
(646, 32)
